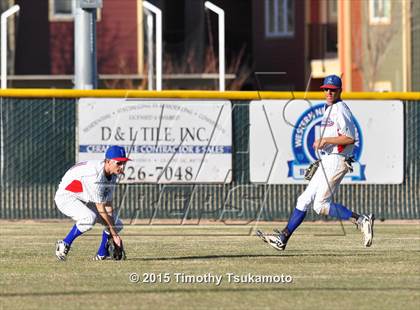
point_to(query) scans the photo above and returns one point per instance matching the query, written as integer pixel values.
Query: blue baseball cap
(116, 153)
(332, 81)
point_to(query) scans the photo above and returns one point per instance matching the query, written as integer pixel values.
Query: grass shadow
(221, 289)
(223, 256)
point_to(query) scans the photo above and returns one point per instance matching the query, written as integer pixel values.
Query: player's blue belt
(325, 153)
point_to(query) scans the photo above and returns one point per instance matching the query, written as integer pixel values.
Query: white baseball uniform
(84, 185)
(337, 120)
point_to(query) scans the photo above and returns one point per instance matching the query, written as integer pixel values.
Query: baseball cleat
(101, 257)
(366, 227)
(277, 241)
(262, 235)
(61, 250)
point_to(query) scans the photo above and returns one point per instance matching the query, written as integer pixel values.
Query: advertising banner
(169, 141)
(282, 133)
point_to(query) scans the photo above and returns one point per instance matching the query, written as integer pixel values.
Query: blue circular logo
(308, 128)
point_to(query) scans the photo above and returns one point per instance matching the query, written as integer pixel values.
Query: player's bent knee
(321, 208)
(86, 223)
(302, 204)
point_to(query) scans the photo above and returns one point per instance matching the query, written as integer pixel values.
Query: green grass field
(329, 270)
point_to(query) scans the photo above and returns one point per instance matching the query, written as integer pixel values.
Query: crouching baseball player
(85, 195)
(335, 148)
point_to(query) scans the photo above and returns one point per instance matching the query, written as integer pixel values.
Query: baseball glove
(310, 171)
(117, 252)
(348, 162)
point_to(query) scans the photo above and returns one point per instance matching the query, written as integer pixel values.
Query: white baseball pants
(85, 214)
(323, 185)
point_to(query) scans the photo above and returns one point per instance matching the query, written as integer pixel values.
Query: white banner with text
(169, 141)
(282, 133)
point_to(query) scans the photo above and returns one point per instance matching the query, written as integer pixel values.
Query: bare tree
(188, 63)
(376, 41)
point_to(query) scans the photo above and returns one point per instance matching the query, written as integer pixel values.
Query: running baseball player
(335, 149)
(85, 195)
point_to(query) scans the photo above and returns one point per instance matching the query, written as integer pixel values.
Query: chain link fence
(38, 146)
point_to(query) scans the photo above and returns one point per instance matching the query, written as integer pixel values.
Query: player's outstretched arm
(104, 211)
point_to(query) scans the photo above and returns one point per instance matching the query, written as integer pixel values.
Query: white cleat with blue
(61, 249)
(365, 224)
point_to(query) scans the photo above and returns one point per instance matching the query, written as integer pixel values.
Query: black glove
(310, 171)
(117, 252)
(348, 163)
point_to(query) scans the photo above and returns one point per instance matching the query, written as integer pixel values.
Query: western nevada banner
(169, 141)
(282, 133)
